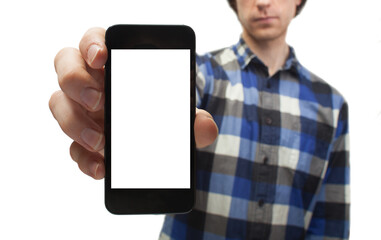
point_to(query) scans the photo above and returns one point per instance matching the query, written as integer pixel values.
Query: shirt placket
(264, 155)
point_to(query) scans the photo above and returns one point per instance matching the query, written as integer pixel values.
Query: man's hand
(79, 106)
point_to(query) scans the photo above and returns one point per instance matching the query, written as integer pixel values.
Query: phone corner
(110, 208)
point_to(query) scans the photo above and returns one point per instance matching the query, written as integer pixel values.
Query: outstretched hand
(79, 106)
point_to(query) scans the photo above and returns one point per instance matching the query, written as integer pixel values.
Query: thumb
(205, 129)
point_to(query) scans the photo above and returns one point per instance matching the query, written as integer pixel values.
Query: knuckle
(83, 159)
(61, 54)
(66, 118)
(67, 121)
(74, 151)
(53, 101)
(69, 77)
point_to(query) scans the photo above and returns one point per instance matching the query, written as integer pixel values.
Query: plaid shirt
(279, 168)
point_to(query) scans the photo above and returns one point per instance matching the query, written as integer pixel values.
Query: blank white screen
(150, 118)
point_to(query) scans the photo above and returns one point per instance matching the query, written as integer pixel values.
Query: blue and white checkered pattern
(279, 168)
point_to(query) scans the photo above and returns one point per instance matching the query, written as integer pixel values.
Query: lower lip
(265, 20)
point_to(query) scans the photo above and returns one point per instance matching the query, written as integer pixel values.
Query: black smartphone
(149, 119)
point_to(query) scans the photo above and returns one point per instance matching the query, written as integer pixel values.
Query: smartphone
(149, 119)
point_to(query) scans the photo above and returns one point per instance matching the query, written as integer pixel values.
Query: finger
(98, 117)
(93, 48)
(90, 163)
(205, 129)
(78, 82)
(75, 122)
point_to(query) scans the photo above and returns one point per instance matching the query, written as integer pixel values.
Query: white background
(142, 85)
(45, 196)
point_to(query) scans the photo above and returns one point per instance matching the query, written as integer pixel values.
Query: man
(279, 167)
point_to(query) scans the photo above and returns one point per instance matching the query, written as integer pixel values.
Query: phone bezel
(148, 201)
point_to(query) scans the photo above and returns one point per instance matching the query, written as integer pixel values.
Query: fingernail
(94, 168)
(92, 53)
(91, 97)
(92, 138)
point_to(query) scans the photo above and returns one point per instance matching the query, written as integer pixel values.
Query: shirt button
(261, 202)
(268, 121)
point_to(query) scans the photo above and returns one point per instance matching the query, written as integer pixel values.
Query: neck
(273, 53)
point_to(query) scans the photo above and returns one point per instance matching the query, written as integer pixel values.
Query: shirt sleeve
(330, 217)
(204, 81)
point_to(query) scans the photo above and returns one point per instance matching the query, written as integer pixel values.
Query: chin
(266, 34)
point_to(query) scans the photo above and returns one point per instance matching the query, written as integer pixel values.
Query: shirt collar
(245, 56)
